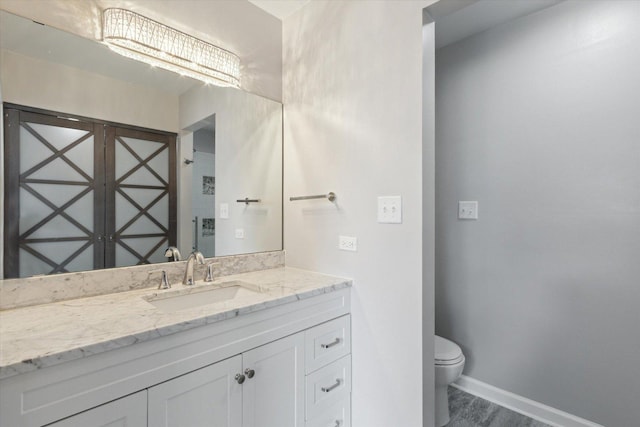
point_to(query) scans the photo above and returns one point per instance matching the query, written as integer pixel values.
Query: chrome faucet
(164, 279)
(173, 253)
(209, 274)
(195, 256)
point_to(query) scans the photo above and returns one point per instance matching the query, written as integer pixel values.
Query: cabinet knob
(249, 372)
(240, 378)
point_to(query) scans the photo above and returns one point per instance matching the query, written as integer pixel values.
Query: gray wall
(539, 120)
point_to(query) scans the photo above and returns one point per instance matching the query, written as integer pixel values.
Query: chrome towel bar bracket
(247, 200)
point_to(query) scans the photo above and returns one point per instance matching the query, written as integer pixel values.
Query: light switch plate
(390, 210)
(239, 233)
(468, 210)
(224, 210)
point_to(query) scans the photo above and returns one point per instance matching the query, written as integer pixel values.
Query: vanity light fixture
(143, 39)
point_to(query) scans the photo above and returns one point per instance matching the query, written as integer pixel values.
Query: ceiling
(455, 20)
(280, 8)
(459, 19)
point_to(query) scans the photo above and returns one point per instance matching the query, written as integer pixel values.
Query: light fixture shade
(144, 39)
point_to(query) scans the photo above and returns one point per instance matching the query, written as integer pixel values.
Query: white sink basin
(200, 296)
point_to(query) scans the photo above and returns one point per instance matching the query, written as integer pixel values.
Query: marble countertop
(46, 335)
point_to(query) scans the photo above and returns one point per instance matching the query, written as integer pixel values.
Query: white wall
(56, 87)
(248, 164)
(537, 119)
(236, 25)
(353, 125)
(428, 212)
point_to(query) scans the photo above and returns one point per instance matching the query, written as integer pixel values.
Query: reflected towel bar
(247, 200)
(331, 197)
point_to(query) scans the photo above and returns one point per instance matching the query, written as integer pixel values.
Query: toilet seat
(449, 362)
(447, 352)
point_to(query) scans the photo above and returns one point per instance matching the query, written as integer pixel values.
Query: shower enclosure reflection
(203, 196)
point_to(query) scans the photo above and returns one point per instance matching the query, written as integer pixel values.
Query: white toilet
(449, 362)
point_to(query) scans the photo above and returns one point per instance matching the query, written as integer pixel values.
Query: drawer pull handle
(333, 387)
(331, 344)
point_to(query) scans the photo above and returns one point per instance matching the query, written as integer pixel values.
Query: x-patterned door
(81, 195)
(141, 196)
(54, 185)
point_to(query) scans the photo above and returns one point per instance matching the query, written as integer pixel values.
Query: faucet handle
(209, 275)
(173, 253)
(198, 257)
(164, 279)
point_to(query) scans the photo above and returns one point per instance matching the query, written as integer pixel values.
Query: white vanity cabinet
(273, 390)
(129, 411)
(263, 387)
(207, 396)
(284, 366)
(328, 374)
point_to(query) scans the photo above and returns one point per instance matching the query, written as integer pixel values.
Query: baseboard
(532, 409)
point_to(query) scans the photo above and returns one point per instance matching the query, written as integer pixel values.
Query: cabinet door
(274, 396)
(130, 411)
(207, 397)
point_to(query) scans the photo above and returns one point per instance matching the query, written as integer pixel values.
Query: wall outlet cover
(239, 233)
(347, 243)
(224, 210)
(468, 210)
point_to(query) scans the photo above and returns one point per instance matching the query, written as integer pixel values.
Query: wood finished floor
(467, 410)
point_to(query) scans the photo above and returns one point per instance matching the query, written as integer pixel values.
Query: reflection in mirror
(232, 138)
(245, 133)
(204, 188)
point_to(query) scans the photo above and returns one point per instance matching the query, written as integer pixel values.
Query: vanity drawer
(327, 342)
(338, 415)
(327, 387)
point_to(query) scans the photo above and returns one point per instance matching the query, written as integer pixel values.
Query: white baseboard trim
(532, 409)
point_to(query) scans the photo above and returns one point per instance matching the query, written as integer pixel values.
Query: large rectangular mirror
(228, 156)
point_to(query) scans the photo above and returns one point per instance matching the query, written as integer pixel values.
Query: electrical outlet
(390, 210)
(348, 243)
(239, 233)
(468, 210)
(224, 210)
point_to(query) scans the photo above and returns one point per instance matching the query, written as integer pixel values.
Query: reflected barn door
(141, 196)
(81, 194)
(54, 187)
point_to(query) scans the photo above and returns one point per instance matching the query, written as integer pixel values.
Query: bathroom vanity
(260, 349)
